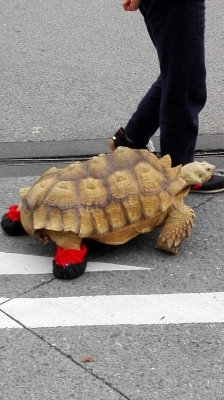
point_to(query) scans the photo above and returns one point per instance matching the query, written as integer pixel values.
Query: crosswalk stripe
(117, 310)
(3, 299)
(6, 322)
(23, 264)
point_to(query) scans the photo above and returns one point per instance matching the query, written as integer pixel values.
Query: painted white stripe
(117, 310)
(6, 322)
(100, 267)
(3, 299)
(23, 264)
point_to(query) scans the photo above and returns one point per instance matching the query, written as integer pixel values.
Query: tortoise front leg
(176, 228)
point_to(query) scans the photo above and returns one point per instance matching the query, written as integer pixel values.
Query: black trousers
(175, 100)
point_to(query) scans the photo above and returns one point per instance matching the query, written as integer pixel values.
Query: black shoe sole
(71, 271)
(12, 228)
(214, 185)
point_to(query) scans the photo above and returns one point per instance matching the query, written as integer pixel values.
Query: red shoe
(214, 185)
(11, 223)
(69, 263)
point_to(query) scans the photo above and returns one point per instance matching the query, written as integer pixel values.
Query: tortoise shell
(103, 194)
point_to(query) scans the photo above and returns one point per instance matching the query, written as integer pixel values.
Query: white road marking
(117, 310)
(23, 264)
(5, 321)
(3, 299)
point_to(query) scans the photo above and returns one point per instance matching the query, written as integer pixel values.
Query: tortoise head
(197, 172)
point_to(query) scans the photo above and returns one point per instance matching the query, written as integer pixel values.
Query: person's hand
(131, 5)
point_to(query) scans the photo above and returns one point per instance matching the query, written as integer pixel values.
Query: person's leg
(177, 29)
(145, 121)
(176, 98)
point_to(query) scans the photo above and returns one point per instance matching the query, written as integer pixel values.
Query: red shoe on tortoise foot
(11, 223)
(69, 263)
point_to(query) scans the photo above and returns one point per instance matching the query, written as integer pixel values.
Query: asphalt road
(71, 73)
(77, 69)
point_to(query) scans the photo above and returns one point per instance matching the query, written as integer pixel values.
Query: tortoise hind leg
(176, 228)
(11, 223)
(70, 260)
(69, 263)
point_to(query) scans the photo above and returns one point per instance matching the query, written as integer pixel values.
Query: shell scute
(158, 163)
(175, 186)
(165, 161)
(122, 184)
(101, 166)
(71, 220)
(173, 173)
(55, 220)
(150, 179)
(62, 194)
(49, 173)
(165, 200)
(125, 158)
(101, 223)
(74, 172)
(39, 191)
(150, 205)
(92, 192)
(132, 209)
(115, 215)
(40, 216)
(86, 223)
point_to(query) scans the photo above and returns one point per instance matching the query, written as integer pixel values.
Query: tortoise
(110, 198)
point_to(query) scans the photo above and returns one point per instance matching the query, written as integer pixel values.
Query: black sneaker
(214, 185)
(119, 139)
